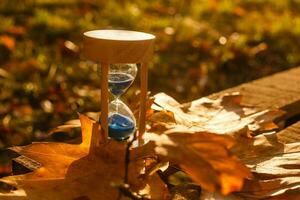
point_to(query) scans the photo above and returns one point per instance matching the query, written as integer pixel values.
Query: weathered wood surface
(281, 90)
(290, 135)
(278, 153)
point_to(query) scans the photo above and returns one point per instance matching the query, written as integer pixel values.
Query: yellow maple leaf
(87, 170)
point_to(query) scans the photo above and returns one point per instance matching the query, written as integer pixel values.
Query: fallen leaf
(69, 125)
(162, 117)
(205, 157)
(8, 41)
(71, 171)
(202, 118)
(68, 48)
(222, 116)
(273, 158)
(16, 30)
(5, 74)
(274, 162)
(136, 106)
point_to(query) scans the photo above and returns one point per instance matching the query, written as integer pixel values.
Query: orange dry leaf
(84, 171)
(275, 162)
(205, 157)
(16, 30)
(209, 163)
(8, 41)
(224, 115)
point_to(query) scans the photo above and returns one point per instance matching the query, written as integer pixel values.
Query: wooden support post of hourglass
(104, 100)
(143, 99)
(115, 47)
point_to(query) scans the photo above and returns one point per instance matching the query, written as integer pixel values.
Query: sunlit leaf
(8, 41)
(69, 170)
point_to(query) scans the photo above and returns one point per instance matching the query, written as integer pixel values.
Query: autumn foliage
(207, 148)
(180, 138)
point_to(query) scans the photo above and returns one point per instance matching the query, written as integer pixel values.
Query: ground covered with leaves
(210, 149)
(201, 47)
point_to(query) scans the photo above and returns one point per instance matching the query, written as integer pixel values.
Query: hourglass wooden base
(120, 46)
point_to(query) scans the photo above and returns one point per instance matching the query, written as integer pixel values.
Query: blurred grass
(202, 47)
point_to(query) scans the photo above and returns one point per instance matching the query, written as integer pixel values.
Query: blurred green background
(202, 46)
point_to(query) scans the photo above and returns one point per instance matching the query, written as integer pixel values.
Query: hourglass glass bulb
(120, 77)
(121, 121)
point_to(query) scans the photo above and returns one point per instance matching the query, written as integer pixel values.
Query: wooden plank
(290, 135)
(24, 164)
(281, 90)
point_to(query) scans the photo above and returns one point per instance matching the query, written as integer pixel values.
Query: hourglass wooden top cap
(118, 46)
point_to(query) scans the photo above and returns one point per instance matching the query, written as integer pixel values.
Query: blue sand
(119, 82)
(120, 127)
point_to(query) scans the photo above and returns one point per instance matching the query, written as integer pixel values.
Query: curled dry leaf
(69, 125)
(222, 116)
(162, 117)
(71, 171)
(274, 160)
(200, 119)
(135, 106)
(8, 42)
(205, 157)
(74, 123)
(272, 157)
(275, 163)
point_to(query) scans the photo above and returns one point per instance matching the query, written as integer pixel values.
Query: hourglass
(119, 53)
